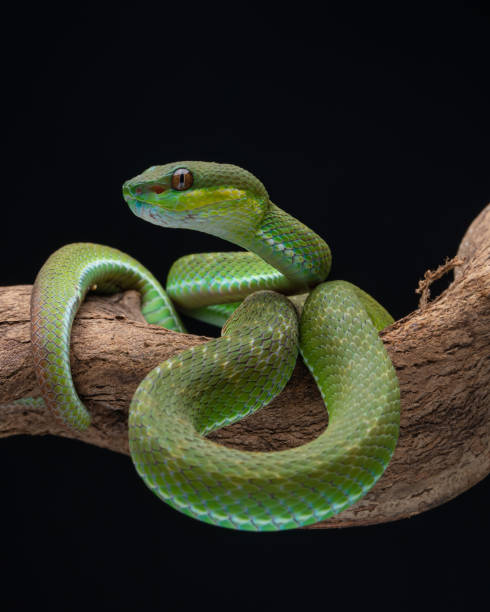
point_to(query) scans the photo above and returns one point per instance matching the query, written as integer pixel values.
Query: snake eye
(182, 179)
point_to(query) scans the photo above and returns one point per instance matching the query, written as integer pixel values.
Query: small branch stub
(432, 275)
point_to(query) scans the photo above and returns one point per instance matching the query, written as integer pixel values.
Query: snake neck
(292, 248)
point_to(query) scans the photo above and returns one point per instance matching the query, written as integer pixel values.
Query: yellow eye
(182, 179)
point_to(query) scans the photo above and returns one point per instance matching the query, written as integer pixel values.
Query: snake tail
(58, 291)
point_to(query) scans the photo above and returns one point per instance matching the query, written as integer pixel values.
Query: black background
(370, 126)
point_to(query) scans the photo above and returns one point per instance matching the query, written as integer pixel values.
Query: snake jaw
(205, 218)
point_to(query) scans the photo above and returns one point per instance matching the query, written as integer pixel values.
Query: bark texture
(440, 352)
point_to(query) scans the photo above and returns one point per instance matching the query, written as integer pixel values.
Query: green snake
(217, 383)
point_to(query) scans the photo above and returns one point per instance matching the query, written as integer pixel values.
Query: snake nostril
(157, 188)
(137, 190)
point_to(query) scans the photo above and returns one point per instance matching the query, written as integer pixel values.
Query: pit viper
(219, 382)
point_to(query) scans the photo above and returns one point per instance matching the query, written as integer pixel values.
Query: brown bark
(440, 353)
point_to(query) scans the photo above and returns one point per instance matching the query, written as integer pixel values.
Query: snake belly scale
(217, 383)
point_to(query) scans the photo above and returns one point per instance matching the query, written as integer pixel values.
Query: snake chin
(146, 212)
(163, 218)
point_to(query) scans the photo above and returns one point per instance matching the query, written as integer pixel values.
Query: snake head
(219, 199)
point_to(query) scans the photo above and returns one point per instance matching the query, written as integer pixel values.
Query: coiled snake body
(217, 383)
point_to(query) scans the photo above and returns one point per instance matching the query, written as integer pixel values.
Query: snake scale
(217, 383)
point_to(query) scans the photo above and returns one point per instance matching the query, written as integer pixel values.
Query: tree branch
(440, 354)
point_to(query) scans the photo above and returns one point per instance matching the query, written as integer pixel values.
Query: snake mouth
(138, 200)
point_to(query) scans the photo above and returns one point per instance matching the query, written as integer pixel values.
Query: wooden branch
(440, 353)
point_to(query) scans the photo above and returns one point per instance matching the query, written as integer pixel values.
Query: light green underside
(217, 383)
